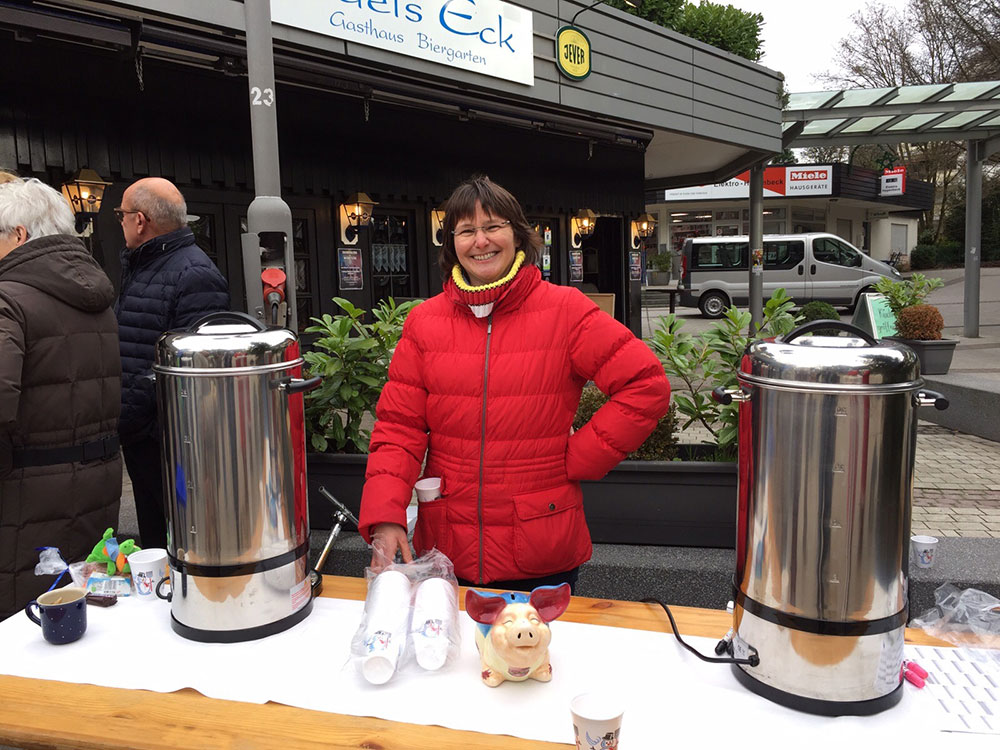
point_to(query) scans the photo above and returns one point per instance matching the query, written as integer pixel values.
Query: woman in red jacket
(485, 382)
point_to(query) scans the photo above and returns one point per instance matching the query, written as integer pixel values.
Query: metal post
(268, 240)
(756, 246)
(975, 154)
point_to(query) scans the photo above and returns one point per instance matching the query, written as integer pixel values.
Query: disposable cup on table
(924, 550)
(428, 489)
(387, 617)
(148, 567)
(434, 614)
(597, 720)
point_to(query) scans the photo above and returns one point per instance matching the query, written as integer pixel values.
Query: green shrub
(660, 261)
(661, 445)
(923, 256)
(952, 255)
(908, 292)
(353, 359)
(819, 310)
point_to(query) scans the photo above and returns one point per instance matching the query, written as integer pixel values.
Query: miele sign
(483, 36)
(778, 182)
(809, 180)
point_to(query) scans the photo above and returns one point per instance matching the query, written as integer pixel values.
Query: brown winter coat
(60, 385)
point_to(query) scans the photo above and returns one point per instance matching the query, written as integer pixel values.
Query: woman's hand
(387, 538)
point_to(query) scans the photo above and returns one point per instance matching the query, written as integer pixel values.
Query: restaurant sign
(483, 36)
(573, 53)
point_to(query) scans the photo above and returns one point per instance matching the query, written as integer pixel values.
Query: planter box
(343, 475)
(935, 356)
(673, 503)
(657, 278)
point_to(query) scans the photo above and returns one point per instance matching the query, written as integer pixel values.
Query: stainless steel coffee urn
(827, 437)
(229, 394)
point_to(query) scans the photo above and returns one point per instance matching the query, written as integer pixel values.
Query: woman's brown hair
(496, 201)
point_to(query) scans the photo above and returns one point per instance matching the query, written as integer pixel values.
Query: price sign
(874, 316)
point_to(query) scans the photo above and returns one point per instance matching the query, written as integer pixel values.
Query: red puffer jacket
(492, 400)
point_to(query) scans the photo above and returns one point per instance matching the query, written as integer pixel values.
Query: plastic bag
(410, 621)
(50, 562)
(969, 618)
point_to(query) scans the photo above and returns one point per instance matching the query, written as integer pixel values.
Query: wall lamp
(355, 212)
(582, 225)
(642, 228)
(85, 192)
(437, 225)
(631, 3)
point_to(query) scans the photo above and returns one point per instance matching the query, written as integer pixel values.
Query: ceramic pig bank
(513, 633)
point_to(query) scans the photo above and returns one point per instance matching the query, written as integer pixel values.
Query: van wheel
(713, 304)
(857, 300)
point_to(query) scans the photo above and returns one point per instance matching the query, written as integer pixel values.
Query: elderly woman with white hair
(60, 385)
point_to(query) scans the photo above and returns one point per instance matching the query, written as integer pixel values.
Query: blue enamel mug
(62, 614)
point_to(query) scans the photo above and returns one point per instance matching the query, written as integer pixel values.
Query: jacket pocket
(432, 526)
(550, 530)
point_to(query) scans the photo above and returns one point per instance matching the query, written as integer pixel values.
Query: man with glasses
(167, 282)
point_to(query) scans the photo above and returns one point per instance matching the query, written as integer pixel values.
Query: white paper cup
(924, 550)
(148, 567)
(597, 720)
(434, 608)
(428, 488)
(387, 613)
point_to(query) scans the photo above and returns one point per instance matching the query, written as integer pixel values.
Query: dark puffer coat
(60, 381)
(167, 283)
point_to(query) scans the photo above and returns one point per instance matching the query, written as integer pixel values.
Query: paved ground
(957, 477)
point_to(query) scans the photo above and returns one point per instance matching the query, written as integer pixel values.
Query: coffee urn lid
(821, 362)
(226, 342)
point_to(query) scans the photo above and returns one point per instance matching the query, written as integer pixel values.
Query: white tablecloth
(669, 695)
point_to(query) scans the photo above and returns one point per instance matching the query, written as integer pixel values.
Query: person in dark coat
(60, 391)
(167, 283)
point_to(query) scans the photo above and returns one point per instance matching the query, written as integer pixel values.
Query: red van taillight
(684, 270)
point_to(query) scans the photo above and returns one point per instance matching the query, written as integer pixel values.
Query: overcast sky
(802, 36)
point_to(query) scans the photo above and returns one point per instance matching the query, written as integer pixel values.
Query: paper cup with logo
(435, 608)
(149, 567)
(387, 619)
(597, 720)
(428, 489)
(924, 550)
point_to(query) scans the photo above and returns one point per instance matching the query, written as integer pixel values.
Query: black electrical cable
(753, 660)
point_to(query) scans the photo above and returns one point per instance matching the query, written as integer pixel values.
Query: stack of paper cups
(434, 616)
(387, 619)
(428, 489)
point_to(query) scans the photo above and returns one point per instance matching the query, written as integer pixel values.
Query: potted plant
(684, 495)
(352, 357)
(660, 273)
(919, 325)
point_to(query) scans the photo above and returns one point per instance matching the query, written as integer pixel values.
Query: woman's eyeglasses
(489, 230)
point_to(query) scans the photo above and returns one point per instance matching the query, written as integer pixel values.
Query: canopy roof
(897, 114)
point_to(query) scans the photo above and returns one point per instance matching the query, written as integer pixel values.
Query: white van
(715, 272)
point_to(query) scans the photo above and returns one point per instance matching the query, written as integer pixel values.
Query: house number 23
(258, 97)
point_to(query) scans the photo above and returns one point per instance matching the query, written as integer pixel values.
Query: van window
(829, 250)
(780, 254)
(722, 256)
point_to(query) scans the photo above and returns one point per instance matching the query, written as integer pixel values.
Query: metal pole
(268, 240)
(756, 246)
(975, 153)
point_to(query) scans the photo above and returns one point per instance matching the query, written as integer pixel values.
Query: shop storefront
(154, 93)
(875, 214)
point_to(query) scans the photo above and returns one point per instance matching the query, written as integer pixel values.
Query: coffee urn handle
(924, 397)
(298, 385)
(726, 396)
(817, 325)
(227, 316)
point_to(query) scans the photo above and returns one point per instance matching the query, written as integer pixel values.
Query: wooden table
(48, 714)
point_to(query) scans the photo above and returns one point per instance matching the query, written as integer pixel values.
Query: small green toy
(109, 551)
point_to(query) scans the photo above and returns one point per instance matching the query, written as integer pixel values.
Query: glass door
(392, 255)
